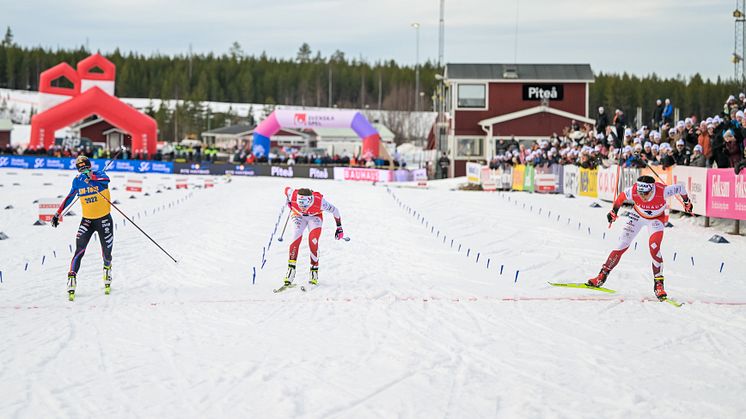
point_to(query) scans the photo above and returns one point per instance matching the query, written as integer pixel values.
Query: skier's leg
(85, 231)
(314, 224)
(299, 224)
(631, 228)
(106, 238)
(656, 228)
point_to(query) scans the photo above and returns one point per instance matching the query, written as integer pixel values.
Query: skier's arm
(99, 178)
(680, 189)
(328, 207)
(612, 215)
(68, 199)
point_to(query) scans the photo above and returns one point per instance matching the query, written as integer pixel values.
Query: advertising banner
(505, 178)
(528, 179)
(133, 185)
(473, 172)
(519, 171)
(726, 194)
(544, 180)
(48, 207)
(64, 163)
(665, 174)
(420, 176)
(570, 179)
(607, 182)
(588, 183)
(695, 181)
(181, 183)
(363, 175)
(488, 182)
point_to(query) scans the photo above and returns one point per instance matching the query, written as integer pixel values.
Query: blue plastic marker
(263, 262)
(451, 243)
(459, 247)
(253, 278)
(54, 252)
(516, 277)
(488, 263)
(604, 237)
(635, 245)
(26, 268)
(477, 258)
(722, 264)
(674, 256)
(70, 247)
(1, 277)
(467, 252)
(43, 258)
(501, 269)
(589, 231)
(692, 260)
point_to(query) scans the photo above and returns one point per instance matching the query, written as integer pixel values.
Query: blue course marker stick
(467, 252)
(674, 256)
(253, 278)
(516, 277)
(722, 264)
(488, 263)
(692, 260)
(501, 269)
(43, 258)
(477, 257)
(26, 268)
(1, 277)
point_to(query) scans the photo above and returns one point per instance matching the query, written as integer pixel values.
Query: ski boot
(599, 280)
(658, 289)
(314, 276)
(290, 276)
(71, 284)
(107, 280)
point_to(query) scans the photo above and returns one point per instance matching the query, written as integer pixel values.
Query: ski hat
(680, 142)
(645, 184)
(648, 144)
(739, 114)
(638, 147)
(637, 140)
(628, 132)
(304, 198)
(655, 147)
(680, 124)
(627, 149)
(698, 148)
(82, 163)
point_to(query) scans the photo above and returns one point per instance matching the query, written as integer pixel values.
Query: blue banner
(64, 163)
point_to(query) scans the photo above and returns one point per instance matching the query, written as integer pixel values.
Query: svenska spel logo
(300, 118)
(39, 163)
(144, 166)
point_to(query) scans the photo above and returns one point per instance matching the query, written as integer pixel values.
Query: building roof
(237, 130)
(532, 111)
(548, 72)
(330, 133)
(6, 125)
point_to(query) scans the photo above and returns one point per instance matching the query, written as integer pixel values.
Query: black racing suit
(105, 229)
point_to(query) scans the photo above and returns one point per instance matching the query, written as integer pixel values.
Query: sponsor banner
(47, 208)
(559, 172)
(420, 176)
(726, 194)
(360, 174)
(695, 181)
(473, 172)
(281, 171)
(209, 183)
(588, 182)
(570, 179)
(488, 181)
(64, 163)
(181, 183)
(665, 174)
(607, 182)
(528, 178)
(518, 173)
(504, 178)
(133, 185)
(320, 173)
(545, 180)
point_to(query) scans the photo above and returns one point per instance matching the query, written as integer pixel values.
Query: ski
(71, 295)
(672, 302)
(283, 288)
(581, 285)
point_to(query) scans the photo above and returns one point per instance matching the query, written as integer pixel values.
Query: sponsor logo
(4, 162)
(361, 174)
(542, 92)
(740, 187)
(39, 163)
(241, 171)
(310, 120)
(299, 118)
(144, 167)
(318, 173)
(719, 188)
(281, 172)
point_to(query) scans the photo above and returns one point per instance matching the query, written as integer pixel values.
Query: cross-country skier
(649, 199)
(96, 218)
(306, 211)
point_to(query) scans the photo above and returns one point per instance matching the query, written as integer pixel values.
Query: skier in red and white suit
(649, 199)
(306, 211)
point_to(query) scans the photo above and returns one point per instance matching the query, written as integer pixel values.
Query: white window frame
(458, 156)
(486, 97)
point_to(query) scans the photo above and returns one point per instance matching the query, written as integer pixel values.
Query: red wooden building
(488, 102)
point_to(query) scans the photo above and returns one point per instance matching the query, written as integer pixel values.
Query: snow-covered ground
(403, 324)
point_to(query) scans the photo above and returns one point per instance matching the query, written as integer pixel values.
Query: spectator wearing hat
(666, 157)
(681, 154)
(647, 151)
(732, 149)
(602, 121)
(690, 133)
(658, 114)
(720, 151)
(697, 159)
(619, 122)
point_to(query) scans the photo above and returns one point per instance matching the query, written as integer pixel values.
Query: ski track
(402, 325)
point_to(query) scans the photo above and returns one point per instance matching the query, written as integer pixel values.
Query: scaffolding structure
(739, 65)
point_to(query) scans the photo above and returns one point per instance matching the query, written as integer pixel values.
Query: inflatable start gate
(92, 93)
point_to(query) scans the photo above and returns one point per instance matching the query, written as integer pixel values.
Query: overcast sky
(668, 37)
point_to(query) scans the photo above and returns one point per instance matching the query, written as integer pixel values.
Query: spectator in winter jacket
(697, 159)
(690, 133)
(733, 150)
(619, 122)
(658, 114)
(668, 112)
(602, 121)
(647, 152)
(703, 139)
(666, 156)
(681, 154)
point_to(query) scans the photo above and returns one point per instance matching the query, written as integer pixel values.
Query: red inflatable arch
(92, 93)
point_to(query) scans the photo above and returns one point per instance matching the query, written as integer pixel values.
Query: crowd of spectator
(717, 141)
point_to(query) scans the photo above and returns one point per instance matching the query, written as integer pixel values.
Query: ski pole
(279, 239)
(138, 227)
(105, 168)
(618, 175)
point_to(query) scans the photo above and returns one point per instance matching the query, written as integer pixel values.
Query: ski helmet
(645, 184)
(305, 198)
(82, 163)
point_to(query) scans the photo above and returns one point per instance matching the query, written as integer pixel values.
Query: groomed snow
(403, 324)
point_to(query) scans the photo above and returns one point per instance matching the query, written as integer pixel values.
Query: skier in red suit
(649, 199)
